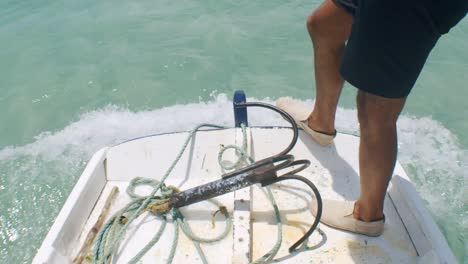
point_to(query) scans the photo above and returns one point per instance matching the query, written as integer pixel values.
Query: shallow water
(77, 76)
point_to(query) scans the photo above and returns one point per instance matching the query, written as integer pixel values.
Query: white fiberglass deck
(334, 170)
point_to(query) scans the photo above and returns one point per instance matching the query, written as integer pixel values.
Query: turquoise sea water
(79, 75)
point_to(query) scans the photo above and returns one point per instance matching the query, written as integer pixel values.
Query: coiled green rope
(108, 239)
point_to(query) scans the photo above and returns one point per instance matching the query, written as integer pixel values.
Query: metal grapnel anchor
(264, 172)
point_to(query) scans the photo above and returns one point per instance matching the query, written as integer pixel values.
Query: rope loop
(165, 191)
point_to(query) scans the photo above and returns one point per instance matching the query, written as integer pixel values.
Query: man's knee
(378, 112)
(329, 24)
(320, 26)
(313, 26)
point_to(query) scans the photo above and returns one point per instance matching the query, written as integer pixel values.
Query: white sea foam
(113, 124)
(424, 143)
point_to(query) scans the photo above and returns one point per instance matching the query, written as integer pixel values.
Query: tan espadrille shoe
(300, 113)
(339, 214)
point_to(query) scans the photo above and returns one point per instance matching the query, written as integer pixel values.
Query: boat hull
(410, 233)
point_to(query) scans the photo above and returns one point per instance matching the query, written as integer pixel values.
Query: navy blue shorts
(391, 40)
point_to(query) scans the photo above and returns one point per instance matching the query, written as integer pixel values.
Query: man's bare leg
(329, 27)
(377, 151)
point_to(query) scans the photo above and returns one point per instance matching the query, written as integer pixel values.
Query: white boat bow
(410, 234)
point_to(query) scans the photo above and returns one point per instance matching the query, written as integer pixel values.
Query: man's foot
(300, 113)
(323, 138)
(339, 215)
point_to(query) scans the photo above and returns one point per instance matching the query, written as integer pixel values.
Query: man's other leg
(377, 151)
(329, 27)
